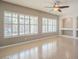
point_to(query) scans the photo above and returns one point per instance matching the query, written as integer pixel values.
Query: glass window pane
(21, 28)
(45, 25)
(50, 22)
(21, 19)
(54, 25)
(54, 22)
(15, 29)
(21, 16)
(14, 15)
(54, 29)
(34, 28)
(45, 21)
(33, 20)
(7, 20)
(49, 28)
(26, 19)
(7, 30)
(15, 21)
(44, 28)
(26, 29)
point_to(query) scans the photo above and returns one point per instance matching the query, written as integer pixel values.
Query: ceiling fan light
(56, 9)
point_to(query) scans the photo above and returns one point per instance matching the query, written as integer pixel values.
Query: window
(21, 24)
(15, 29)
(15, 24)
(10, 24)
(49, 25)
(54, 25)
(45, 24)
(27, 31)
(7, 30)
(33, 24)
(28, 25)
(7, 25)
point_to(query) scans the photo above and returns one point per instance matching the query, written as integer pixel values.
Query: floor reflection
(49, 49)
(28, 54)
(56, 48)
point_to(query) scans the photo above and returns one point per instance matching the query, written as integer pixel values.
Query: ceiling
(41, 4)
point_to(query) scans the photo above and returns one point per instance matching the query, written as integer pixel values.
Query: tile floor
(45, 48)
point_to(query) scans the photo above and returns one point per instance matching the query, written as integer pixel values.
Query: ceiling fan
(57, 7)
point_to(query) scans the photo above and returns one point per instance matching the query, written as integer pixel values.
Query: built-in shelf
(76, 29)
(69, 36)
(68, 27)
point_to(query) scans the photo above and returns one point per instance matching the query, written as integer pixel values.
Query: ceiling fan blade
(48, 7)
(63, 7)
(59, 10)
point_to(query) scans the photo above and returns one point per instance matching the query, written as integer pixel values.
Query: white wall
(71, 12)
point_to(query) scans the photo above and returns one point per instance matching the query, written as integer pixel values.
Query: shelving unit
(68, 27)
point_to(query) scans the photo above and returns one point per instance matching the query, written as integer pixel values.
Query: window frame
(53, 25)
(17, 23)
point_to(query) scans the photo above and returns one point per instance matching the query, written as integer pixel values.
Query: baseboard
(25, 42)
(68, 36)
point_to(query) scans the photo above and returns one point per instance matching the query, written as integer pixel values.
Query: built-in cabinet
(68, 27)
